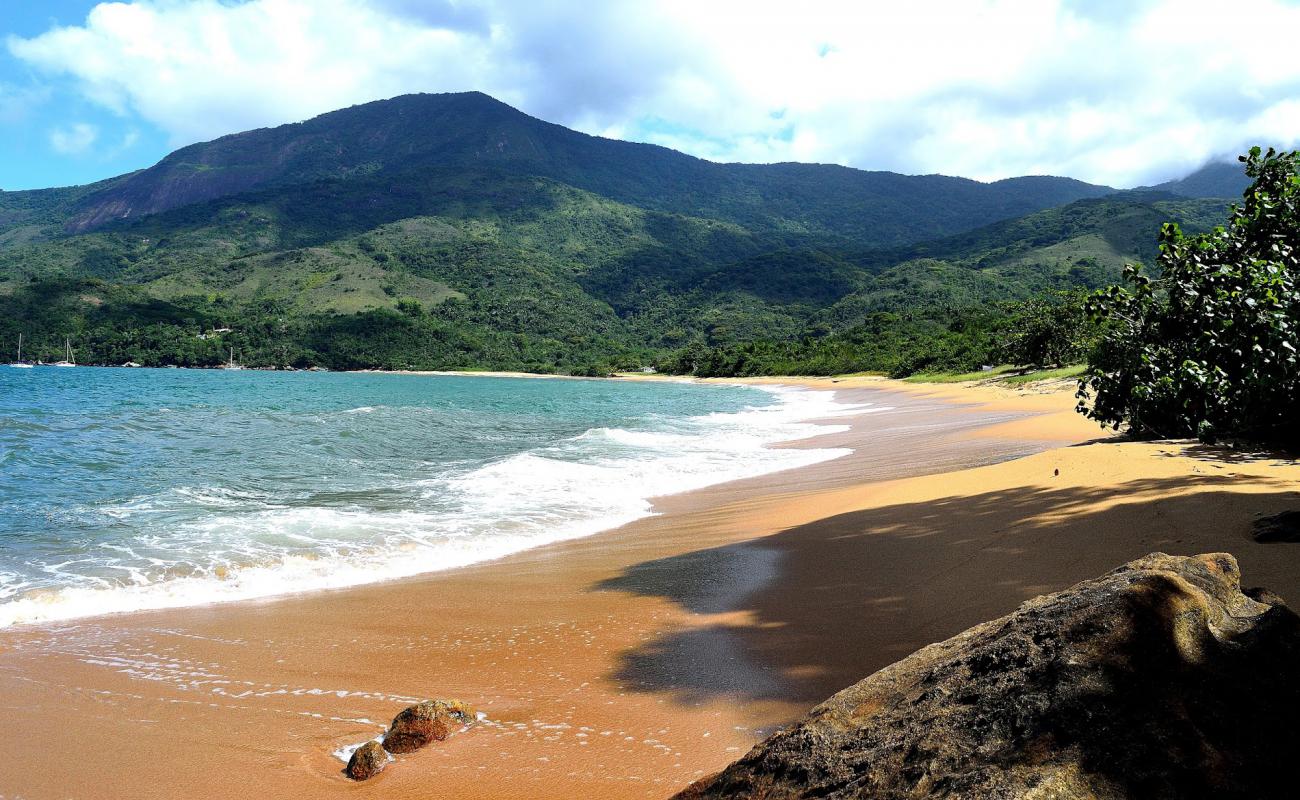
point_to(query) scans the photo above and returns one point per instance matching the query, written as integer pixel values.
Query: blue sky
(1122, 92)
(35, 109)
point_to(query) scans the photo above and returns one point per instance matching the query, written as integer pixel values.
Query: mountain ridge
(1212, 179)
(473, 129)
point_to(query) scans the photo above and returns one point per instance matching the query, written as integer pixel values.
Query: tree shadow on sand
(818, 607)
(1234, 454)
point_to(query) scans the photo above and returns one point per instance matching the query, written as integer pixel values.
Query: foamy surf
(212, 544)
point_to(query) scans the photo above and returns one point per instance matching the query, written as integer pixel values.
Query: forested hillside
(451, 231)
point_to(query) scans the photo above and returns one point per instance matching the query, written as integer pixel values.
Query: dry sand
(628, 663)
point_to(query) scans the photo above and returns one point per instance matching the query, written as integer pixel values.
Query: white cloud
(202, 69)
(74, 140)
(1120, 93)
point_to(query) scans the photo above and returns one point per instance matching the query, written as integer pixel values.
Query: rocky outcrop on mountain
(1161, 679)
(430, 721)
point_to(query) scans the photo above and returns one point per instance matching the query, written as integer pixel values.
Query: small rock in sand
(430, 721)
(368, 761)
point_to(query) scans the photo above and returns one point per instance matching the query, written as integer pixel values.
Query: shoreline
(183, 593)
(628, 663)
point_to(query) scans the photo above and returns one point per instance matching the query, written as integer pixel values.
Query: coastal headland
(629, 663)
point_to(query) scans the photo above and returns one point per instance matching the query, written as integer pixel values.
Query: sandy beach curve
(631, 662)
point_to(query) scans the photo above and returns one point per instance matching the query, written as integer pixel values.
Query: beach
(629, 663)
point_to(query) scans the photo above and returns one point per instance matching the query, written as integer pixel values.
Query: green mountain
(1216, 179)
(1082, 244)
(452, 231)
(471, 130)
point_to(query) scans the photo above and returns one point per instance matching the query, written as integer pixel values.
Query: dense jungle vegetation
(453, 232)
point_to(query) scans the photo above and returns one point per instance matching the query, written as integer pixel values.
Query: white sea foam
(345, 752)
(250, 546)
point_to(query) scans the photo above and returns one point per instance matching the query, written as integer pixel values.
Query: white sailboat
(231, 363)
(20, 364)
(67, 358)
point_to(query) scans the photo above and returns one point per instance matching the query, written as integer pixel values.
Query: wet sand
(629, 663)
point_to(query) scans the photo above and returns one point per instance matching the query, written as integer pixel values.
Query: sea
(131, 489)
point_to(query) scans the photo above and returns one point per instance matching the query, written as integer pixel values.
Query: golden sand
(629, 663)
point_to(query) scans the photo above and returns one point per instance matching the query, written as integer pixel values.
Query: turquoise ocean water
(126, 489)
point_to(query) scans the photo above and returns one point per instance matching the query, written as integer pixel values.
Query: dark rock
(430, 721)
(1158, 680)
(368, 761)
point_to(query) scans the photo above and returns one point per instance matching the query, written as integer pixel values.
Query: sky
(1118, 92)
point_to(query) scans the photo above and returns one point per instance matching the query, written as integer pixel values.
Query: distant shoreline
(450, 372)
(468, 373)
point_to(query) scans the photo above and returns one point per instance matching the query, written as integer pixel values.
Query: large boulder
(1158, 680)
(368, 761)
(430, 721)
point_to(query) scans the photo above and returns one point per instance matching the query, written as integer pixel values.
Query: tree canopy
(1208, 346)
(1048, 330)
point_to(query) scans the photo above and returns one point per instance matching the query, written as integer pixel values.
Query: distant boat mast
(231, 363)
(67, 354)
(20, 364)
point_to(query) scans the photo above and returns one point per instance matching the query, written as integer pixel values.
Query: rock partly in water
(430, 721)
(1158, 680)
(368, 761)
